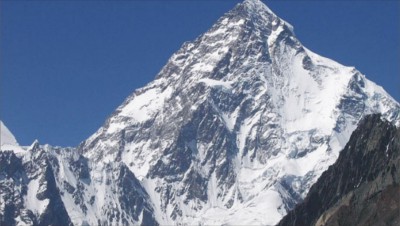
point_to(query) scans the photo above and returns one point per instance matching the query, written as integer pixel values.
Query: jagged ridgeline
(235, 129)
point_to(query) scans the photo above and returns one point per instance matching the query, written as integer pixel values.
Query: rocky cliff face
(44, 185)
(362, 187)
(234, 129)
(28, 190)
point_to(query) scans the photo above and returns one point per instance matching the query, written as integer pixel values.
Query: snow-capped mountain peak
(8, 141)
(256, 6)
(240, 120)
(234, 129)
(6, 136)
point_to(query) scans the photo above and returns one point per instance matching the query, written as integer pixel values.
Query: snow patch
(224, 85)
(143, 106)
(274, 35)
(31, 202)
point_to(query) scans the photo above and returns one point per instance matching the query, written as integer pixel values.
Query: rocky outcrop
(362, 187)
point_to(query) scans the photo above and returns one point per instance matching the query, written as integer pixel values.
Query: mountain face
(45, 185)
(362, 187)
(29, 193)
(234, 129)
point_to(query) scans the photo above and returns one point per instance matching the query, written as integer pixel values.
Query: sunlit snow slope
(6, 137)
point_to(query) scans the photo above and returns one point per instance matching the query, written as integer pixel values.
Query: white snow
(6, 136)
(308, 100)
(150, 186)
(31, 202)
(244, 131)
(8, 141)
(224, 85)
(256, 6)
(203, 67)
(144, 105)
(229, 120)
(19, 150)
(133, 158)
(274, 35)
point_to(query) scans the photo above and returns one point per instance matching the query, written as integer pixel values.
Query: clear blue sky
(66, 65)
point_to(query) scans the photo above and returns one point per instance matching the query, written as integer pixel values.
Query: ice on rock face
(234, 129)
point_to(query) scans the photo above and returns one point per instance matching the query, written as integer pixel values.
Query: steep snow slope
(239, 123)
(6, 137)
(8, 141)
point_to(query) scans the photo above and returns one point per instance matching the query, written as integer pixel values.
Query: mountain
(362, 187)
(238, 124)
(235, 129)
(29, 193)
(6, 137)
(46, 185)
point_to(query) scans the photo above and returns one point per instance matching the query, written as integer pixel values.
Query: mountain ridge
(196, 61)
(235, 128)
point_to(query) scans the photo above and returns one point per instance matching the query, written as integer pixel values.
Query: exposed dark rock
(362, 187)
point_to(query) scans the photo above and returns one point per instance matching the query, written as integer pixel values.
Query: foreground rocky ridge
(362, 187)
(235, 129)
